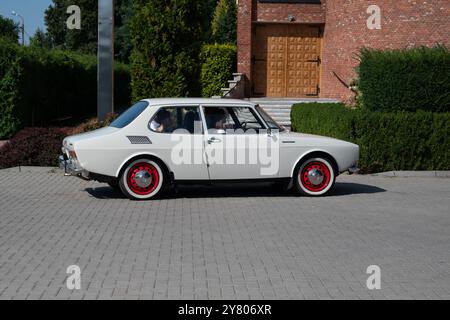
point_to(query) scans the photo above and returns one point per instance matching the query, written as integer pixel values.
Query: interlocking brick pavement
(246, 242)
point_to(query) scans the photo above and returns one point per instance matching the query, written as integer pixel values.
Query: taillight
(72, 154)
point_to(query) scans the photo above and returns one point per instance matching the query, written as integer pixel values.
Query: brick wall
(244, 39)
(405, 23)
(279, 12)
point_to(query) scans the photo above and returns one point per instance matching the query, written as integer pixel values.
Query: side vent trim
(139, 140)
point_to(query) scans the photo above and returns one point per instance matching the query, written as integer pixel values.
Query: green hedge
(389, 141)
(405, 80)
(218, 63)
(40, 87)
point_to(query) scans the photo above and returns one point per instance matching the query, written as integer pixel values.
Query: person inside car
(216, 118)
(161, 122)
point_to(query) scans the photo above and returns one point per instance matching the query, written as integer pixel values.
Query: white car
(163, 142)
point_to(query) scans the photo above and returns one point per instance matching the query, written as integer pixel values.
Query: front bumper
(72, 168)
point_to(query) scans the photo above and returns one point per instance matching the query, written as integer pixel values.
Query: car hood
(297, 135)
(309, 139)
(72, 140)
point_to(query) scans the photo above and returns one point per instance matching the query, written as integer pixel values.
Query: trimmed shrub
(33, 147)
(389, 141)
(218, 63)
(39, 87)
(42, 146)
(338, 120)
(405, 80)
(93, 124)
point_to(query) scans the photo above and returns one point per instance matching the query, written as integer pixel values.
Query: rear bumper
(71, 168)
(353, 169)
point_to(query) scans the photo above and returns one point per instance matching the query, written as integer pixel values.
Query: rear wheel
(142, 179)
(315, 177)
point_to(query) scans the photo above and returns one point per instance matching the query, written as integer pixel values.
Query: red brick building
(307, 48)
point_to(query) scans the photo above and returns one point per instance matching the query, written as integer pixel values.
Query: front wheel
(142, 179)
(315, 177)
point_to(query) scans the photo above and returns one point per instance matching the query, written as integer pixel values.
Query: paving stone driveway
(223, 243)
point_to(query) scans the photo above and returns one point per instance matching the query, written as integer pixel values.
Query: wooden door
(286, 61)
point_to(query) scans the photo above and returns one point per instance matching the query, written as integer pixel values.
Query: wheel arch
(316, 153)
(165, 167)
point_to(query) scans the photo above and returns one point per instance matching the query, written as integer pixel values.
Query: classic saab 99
(163, 142)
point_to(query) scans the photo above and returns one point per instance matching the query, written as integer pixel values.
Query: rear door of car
(181, 145)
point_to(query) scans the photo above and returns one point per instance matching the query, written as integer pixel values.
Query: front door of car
(237, 144)
(179, 141)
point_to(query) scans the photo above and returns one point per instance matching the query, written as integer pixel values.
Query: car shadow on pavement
(236, 191)
(348, 188)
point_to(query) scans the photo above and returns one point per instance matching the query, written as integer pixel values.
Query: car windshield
(268, 119)
(128, 116)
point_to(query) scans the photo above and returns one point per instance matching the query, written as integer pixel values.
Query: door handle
(214, 140)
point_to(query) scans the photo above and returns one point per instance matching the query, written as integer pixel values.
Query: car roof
(204, 101)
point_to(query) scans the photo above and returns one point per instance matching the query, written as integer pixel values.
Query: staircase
(280, 108)
(235, 87)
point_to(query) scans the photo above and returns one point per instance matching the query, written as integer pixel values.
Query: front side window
(176, 119)
(268, 119)
(235, 118)
(130, 115)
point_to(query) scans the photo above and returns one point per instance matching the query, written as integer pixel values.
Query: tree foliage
(85, 40)
(166, 37)
(41, 40)
(9, 29)
(224, 23)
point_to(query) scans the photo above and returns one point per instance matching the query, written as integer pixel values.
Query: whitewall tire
(315, 177)
(142, 179)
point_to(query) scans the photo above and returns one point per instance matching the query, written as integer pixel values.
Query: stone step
(283, 118)
(280, 116)
(292, 101)
(276, 106)
(237, 76)
(277, 109)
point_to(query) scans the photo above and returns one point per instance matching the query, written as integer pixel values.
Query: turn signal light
(72, 154)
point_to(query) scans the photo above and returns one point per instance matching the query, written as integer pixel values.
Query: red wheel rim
(133, 183)
(308, 169)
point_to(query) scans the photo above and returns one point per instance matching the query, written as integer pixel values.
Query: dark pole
(105, 73)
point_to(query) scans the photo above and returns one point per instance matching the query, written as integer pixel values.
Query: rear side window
(176, 119)
(128, 116)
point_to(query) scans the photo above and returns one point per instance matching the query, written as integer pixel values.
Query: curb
(414, 174)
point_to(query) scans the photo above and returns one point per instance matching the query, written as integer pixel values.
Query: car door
(237, 143)
(179, 141)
